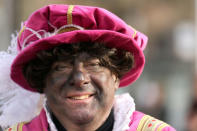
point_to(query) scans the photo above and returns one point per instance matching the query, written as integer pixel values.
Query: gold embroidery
(69, 14)
(142, 122)
(152, 124)
(67, 29)
(13, 128)
(163, 125)
(21, 31)
(135, 31)
(20, 126)
(156, 125)
(148, 123)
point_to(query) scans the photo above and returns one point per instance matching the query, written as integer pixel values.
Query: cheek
(55, 83)
(53, 89)
(106, 85)
(105, 81)
(56, 80)
(51, 95)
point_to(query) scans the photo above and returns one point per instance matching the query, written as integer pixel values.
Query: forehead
(83, 57)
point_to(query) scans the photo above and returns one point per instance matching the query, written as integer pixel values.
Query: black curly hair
(117, 61)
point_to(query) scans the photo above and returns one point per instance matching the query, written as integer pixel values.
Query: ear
(116, 81)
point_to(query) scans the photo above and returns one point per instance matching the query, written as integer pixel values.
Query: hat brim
(110, 38)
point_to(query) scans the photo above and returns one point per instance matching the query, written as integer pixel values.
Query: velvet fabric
(54, 25)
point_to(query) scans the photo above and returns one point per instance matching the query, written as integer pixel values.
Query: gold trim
(67, 30)
(156, 125)
(21, 31)
(69, 14)
(163, 125)
(20, 126)
(146, 123)
(13, 128)
(142, 122)
(135, 31)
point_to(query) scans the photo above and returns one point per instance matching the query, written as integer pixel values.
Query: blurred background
(167, 89)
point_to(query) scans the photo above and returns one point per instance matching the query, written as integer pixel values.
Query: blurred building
(165, 88)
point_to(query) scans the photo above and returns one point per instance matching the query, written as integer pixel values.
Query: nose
(79, 77)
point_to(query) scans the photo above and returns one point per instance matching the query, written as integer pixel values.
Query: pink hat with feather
(54, 25)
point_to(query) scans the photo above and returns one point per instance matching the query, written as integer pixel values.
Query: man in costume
(78, 56)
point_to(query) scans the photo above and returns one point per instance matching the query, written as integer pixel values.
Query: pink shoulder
(142, 122)
(39, 123)
(135, 119)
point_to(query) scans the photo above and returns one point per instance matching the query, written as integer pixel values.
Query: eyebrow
(85, 59)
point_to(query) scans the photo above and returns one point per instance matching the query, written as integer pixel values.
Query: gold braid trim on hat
(135, 31)
(21, 31)
(69, 14)
(67, 29)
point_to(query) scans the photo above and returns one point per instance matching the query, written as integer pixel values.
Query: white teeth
(80, 97)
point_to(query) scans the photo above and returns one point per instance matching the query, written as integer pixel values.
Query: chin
(83, 118)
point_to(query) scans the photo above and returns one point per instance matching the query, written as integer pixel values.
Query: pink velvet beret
(54, 25)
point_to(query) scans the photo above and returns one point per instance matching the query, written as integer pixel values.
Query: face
(80, 91)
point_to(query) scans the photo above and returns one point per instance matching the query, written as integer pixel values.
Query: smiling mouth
(80, 97)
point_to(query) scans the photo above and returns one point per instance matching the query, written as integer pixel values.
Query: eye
(62, 67)
(93, 66)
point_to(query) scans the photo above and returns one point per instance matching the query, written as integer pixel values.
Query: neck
(105, 125)
(90, 126)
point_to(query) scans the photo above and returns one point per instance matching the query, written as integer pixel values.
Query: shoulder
(143, 122)
(39, 123)
(16, 127)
